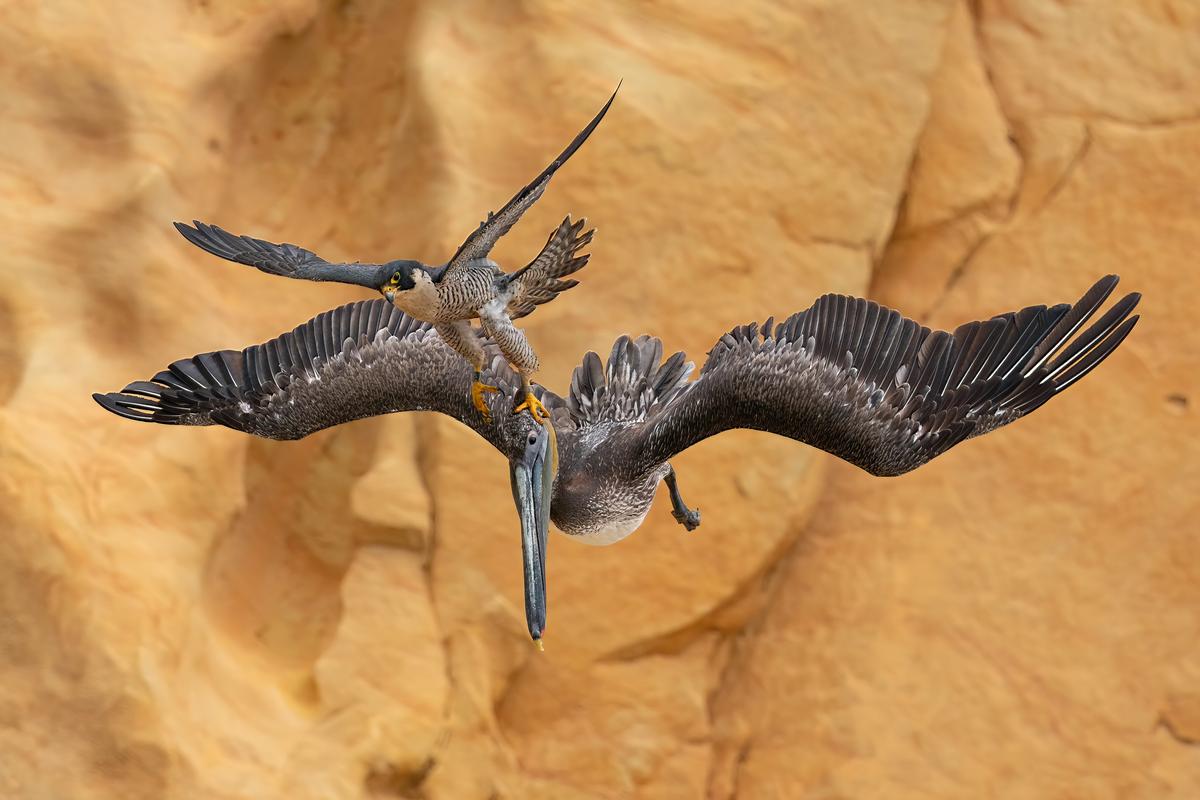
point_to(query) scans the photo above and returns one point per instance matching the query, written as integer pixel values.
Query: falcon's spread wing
(538, 282)
(484, 238)
(871, 387)
(359, 360)
(287, 260)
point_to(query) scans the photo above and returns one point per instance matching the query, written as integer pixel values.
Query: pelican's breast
(601, 509)
(614, 530)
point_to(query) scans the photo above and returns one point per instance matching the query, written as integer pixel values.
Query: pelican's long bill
(532, 478)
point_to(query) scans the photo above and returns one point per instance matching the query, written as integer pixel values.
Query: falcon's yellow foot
(534, 406)
(478, 390)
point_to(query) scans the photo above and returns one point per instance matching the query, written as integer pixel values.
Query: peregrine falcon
(468, 286)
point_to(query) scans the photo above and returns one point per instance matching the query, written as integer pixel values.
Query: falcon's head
(403, 277)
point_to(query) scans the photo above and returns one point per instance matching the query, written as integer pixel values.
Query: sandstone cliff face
(194, 614)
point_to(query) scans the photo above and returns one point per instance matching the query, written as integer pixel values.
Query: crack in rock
(771, 581)
(1165, 723)
(747, 593)
(957, 273)
(984, 210)
(1068, 171)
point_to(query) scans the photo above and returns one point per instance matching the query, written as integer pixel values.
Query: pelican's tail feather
(634, 385)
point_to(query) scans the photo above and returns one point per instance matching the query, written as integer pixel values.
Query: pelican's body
(846, 375)
(469, 286)
(595, 500)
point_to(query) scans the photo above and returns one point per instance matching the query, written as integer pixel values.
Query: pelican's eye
(533, 438)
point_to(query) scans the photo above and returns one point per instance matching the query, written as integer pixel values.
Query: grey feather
(484, 238)
(631, 387)
(846, 375)
(539, 281)
(982, 377)
(367, 359)
(287, 260)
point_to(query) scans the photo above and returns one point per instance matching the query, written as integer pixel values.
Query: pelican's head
(533, 464)
(402, 277)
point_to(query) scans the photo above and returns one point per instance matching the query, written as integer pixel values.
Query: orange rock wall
(195, 614)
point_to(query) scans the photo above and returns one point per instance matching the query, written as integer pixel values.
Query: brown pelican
(847, 375)
(468, 286)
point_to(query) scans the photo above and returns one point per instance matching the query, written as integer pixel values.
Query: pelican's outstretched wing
(484, 238)
(359, 360)
(869, 386)
(287, 260)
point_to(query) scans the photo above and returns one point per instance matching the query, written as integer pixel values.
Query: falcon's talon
(534, 406)
(478, 390)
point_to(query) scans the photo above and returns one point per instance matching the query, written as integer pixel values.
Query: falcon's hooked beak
(532, 477)
(392, 285)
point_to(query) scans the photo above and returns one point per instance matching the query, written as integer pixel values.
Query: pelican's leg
(460, 336)
(685, 516)
(516, 348)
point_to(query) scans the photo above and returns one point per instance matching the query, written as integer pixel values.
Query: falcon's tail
(539, 281)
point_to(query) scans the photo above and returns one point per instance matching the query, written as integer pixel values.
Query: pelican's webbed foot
(688, 518)
(478, 390)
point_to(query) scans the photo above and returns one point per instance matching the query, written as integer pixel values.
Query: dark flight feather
(540, 281)
(886, 394)
(355, 361)
(846, 375)
(287, 260)
(484, 238)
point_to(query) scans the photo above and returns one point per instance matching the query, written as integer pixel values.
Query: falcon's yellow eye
(395, 278)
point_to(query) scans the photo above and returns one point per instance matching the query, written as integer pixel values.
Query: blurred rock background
(191, 613)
